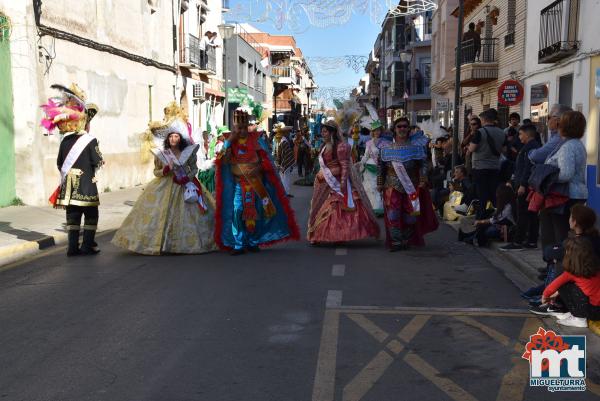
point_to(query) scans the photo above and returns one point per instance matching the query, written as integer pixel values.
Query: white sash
(334, 184)
(74, 154)
(408, 186)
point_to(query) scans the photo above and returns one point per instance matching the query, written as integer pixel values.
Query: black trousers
(75, 213)
(555, 226)
(486, 183)
(527, 223)
(577, 302)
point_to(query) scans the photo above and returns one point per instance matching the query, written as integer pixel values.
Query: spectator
(486, 146)
(527, 222)
(471, 44)
(577, 287)
(570, 158)
(419, 81)
(204, 47)
(539, 156)
(502, 219)
(474, 126)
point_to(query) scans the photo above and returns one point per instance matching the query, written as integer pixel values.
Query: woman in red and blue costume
(252, 209)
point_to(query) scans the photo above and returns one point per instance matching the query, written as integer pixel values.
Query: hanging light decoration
(410, 7)
(333, 65)
(329, 95)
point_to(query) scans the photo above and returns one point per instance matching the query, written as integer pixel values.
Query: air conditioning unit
(198, 90)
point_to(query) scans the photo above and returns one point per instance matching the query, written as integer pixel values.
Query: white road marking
(341, 252)
(334, 299)
(338, 270)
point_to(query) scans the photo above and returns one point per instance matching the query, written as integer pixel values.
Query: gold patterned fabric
(162, 222)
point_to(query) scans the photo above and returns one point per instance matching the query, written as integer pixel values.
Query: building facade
(131, 58)
(499, 57)
(443, 62)
(563, 66)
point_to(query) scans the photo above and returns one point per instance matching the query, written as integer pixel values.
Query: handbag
(190, 193)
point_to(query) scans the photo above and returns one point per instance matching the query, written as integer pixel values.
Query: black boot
(88, 246)
(73, 249)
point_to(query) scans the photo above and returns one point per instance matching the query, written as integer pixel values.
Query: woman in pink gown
(340, 210)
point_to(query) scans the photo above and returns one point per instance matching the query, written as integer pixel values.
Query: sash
(74, 154)
(255, 181)
(70, 160)
(408, 186)
(334, 184)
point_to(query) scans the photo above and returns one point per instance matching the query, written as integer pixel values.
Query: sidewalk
(527, 262)
(27, 230)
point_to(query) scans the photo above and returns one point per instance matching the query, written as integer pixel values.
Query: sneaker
(531, 245)
(547, 310)
(573, 321)
(512, 247)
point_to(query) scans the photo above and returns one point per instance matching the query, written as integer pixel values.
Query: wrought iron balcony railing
(482, 51)
(558, 31)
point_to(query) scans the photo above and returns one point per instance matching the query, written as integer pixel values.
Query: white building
(563, 66)
(123, 54)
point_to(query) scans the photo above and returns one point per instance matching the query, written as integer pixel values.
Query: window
(503, 113)
(539, 108)
(565, 90)
(250, 75)
(511, 16)
(242, 71)
(559, 23)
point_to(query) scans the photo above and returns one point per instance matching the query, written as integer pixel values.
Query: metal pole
(456, 119)
(226, 119)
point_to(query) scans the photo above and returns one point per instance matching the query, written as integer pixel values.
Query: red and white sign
(510, 93)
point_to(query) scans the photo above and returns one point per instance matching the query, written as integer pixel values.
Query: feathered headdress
(432, 129)
(67, 111)
(348, 114)
(174, 121)
(371, 121)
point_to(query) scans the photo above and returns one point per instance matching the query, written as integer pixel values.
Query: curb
(15, 253)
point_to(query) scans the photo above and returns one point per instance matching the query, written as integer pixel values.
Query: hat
(161, 130)
(331, 123)
(223, 130)
(281, 127)
(376, 124)
(91, 111)
(67, 112)
(252, 120)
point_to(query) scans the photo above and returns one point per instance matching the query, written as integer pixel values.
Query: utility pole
(456, 119)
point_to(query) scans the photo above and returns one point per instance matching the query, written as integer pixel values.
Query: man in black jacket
(527, 222)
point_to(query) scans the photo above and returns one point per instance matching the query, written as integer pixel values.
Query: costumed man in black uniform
(78, 159)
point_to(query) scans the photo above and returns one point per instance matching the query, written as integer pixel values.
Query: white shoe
(573, 321)
(561, 316)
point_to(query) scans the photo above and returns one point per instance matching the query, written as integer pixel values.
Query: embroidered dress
(368, 166)
(252, 209)
(161, 221)
(336, 214)
(408, 208)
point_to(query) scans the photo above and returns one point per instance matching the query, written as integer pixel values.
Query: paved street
(293, 323)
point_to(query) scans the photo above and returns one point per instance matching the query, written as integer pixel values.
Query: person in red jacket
(578, 286)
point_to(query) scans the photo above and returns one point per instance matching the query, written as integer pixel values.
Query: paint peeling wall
(119, 86)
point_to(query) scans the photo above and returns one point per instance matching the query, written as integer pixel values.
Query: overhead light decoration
(329, 95)
(410, 7)
(333, 65)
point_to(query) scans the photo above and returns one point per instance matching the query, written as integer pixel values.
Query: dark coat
(79, 187)
(523, 165)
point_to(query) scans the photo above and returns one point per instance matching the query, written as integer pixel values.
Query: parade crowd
(231, 190)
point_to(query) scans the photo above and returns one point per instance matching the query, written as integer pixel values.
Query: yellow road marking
(367, 377)
(413, 327)
(515, 380)
(370, 327)
(494, 334)
(324, 387)
(446, 385)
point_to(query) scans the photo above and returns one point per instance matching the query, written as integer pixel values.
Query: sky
(356, 37)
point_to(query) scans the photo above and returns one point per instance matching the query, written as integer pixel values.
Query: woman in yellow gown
(175, 213)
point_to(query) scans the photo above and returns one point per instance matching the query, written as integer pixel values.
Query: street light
(406, 58)
(309, 90)
(226, 31)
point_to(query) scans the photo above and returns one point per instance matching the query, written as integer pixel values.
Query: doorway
(7, 132)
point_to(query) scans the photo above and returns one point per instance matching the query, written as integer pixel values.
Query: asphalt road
(292, 323)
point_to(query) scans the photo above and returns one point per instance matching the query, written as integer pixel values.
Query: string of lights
(327, 95)
(333, 65)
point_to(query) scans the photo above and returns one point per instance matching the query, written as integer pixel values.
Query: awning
(214, 92)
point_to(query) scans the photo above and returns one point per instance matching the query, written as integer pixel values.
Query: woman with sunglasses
(402, 180)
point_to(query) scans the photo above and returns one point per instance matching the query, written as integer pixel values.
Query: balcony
(479, 63)
(195, 59)
(420, 89)
(558, 31)
(284, 75)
